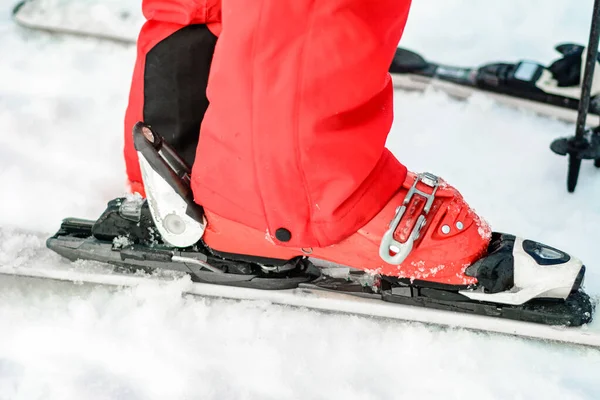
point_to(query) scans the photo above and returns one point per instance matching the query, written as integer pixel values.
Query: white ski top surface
(329, 301)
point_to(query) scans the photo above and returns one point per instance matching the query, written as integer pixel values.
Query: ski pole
(586, 91)
(579, 146)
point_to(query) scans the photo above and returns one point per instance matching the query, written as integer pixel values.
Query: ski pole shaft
(588, 75)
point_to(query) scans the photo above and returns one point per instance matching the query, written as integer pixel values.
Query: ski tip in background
(407, 61)
(31, 15)
(17, 8)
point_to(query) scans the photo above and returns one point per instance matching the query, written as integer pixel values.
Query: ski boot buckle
(390, 245)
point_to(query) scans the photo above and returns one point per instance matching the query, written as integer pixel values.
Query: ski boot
(426, 248)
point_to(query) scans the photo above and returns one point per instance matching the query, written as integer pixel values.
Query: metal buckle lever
(402, 250)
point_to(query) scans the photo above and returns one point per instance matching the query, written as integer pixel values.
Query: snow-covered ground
(62, 102)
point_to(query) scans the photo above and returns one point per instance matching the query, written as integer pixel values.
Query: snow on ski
(328, 301)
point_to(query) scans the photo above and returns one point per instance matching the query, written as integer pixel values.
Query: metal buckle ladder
(402, 250)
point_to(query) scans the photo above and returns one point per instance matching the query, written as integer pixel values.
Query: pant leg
(300, 108)
(168, 90)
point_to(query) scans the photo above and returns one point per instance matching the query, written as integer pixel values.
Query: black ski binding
(127, 235)
(495, 274)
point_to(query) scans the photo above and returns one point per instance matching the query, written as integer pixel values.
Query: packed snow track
(62, 102)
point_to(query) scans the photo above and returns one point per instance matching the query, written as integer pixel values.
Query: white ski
(90, 18)
(329, 301)
(415, 82)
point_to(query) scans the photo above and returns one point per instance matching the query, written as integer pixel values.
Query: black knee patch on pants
(175, 80)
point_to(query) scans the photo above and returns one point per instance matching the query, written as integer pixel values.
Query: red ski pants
(300, 109)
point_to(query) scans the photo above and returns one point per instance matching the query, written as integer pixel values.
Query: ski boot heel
(164, 231)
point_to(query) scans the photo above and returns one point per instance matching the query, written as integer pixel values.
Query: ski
(87, 19)
(551, 91)
(310, 296)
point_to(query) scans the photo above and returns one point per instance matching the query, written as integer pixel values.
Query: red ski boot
(426, 232)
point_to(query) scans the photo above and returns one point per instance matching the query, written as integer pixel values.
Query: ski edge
(313, 299)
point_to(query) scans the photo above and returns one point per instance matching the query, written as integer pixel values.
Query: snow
(62, 102)
(121, 20)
